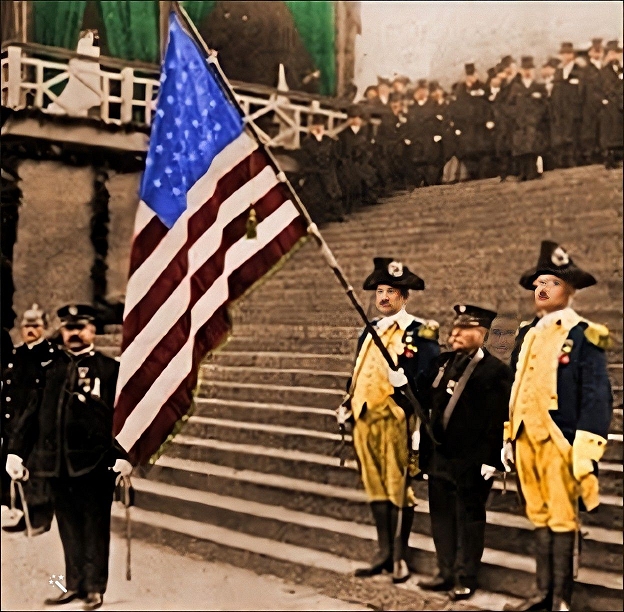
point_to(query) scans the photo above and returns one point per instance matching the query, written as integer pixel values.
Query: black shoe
(63, 598)
(35, 531)
(461, 592)
(93, 601)
(19, 526)
(401, 573)
(374, 569)
(438, 583)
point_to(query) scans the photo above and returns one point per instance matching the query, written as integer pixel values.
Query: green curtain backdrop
(316, 25)
(198, 9)
(132, 29)
(58, 24)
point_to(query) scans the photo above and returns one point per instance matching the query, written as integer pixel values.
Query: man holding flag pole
(216, 215)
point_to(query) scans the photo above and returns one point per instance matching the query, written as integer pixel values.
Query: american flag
(191, 257)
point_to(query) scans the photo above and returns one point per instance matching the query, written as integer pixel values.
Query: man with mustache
(382, 418)
(559, 415)
(66, 436)
(23, 374)
(466, 393)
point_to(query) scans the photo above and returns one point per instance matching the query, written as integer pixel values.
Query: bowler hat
(613, 45)
(553, 259)
(469, 315)
(526, 62)
(389, 271)
(395, 96)
(507, 61)
(76, 314)
(355, 110)
(553, 62)
(318, 119)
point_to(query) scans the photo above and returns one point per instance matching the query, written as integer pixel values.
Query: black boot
(385, 535)
(401, 571)
(563, 569)
(542, 598)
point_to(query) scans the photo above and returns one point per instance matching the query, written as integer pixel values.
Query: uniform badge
(82, 371)
(450, 387)
(559, 257)
(395, 268)
(566, 349)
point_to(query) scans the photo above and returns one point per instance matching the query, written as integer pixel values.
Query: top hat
(526, 62)
(553, 259)
(469, 68)
(613, 45)
(76, 314)
(469, 315)
(34, 316)
(566, 47)
(597, 43)
(391, 272)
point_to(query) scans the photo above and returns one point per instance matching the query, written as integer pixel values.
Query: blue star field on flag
(194, 122)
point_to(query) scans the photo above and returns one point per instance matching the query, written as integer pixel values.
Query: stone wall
(53, 253)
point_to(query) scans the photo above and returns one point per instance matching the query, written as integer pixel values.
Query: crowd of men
(513, 120)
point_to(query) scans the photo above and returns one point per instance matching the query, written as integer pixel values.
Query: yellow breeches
(380, 441)
(548, 485)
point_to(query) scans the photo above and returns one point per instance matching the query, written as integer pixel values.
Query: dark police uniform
(469, 438)
(560, 411)
(24, 377)
(65, 435)
(611, 123)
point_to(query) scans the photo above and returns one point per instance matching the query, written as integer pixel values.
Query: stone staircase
(254, 478)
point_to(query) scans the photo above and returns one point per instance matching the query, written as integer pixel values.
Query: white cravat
(401, 318)
(549, 318)
(567, 69)
(355, 128)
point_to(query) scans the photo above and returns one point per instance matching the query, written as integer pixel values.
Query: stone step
(345, 539)
(281, 344)
(616, 421)
(284, 394)
(271, 413)
(331, 574)
(282, 359)
(508, 532)
(296, 377)
(313, 466)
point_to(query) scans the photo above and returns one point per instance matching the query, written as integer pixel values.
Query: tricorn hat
(469, 68)
(526, 62)
(469, 315)
(566, 47)
(553, 259)
(34, 316)
(392, 272)
(76, 314)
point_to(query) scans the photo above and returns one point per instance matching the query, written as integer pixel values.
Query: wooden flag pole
(313, 230)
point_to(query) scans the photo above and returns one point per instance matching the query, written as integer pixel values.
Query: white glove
(343, 414)
(437, 138)
(123, 467)
(489, 125)
(507, 455)
(416, 440)
(407, 141)
(487, 471)
(15, 467)
(396, 377)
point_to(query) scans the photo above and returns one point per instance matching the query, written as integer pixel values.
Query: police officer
(592, 104)
(559, 415)
(391, 145)
(65, 435)
(23, 376)
(380, 432)
(467, 394)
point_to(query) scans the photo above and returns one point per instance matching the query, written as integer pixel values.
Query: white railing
(127, 93)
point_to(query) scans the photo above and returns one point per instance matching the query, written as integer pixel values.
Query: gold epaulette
(598, 335)
(524, 324)
(429, 330)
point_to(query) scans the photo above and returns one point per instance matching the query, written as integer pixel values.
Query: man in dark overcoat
(473, 122)
(467, 394)
(611, 125)
(23, 375)
(566, 102)
(66, 436)
(592, 104)
(527, 101)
